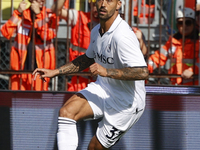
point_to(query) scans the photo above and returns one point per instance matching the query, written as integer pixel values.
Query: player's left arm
(130, 56)
(129, 73)
(80, 63)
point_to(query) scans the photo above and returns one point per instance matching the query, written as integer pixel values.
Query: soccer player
(118, 94)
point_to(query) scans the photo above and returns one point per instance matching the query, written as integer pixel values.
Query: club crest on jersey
(109, 48)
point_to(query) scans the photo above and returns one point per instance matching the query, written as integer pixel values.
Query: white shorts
(107, 132)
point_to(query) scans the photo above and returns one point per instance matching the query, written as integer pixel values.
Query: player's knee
(66, 112)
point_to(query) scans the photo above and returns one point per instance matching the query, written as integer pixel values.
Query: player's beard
(103, 14)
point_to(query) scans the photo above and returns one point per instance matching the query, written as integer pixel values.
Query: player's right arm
(80, 63)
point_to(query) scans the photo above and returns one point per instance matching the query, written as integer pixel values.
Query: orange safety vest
(180, 60)
(80, 40)
(66, 4)
(146, 11)
(190, 4)
(45, 27)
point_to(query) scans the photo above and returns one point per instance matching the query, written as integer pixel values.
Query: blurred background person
(35, 28)
(182, 59)
(141, 38)
(81, 24)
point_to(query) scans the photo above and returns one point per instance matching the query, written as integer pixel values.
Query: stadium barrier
(28, 120)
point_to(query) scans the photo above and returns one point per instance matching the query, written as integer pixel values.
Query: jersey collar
(115, 24)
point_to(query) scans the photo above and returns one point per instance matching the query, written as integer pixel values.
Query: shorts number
(114, 133)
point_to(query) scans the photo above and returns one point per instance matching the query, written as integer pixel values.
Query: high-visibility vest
(190, 4)
(80, 40)
(45, 27)
(80, 35)
(66, 4)
(180, 60)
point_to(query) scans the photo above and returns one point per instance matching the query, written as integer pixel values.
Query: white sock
(67, 134)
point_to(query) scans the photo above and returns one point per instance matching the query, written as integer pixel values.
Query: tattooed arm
(80, 63)
(130, 73)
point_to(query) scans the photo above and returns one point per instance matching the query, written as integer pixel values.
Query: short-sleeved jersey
(119, 48)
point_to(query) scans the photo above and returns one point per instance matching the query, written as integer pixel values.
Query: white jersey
(119, 48)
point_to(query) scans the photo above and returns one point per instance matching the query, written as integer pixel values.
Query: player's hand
(97, 69)
(44, 73)
(35, 6)
(187, 74)
(22, 6)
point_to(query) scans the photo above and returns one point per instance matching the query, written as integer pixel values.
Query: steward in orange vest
(21, 23)
(81, 22)
(182, 61)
